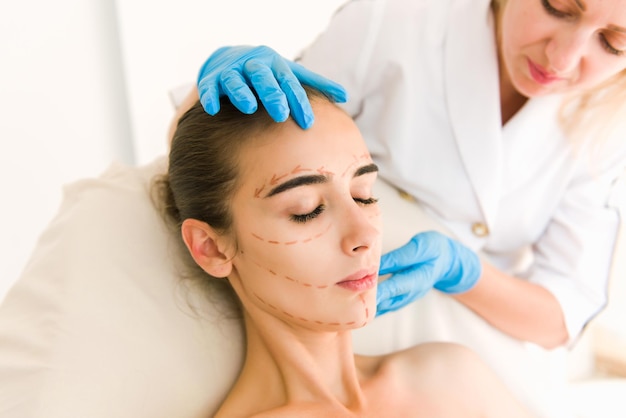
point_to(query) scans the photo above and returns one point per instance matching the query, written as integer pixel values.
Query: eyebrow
(370, 168)
(316, 179)
(581, 5)
(617, 29)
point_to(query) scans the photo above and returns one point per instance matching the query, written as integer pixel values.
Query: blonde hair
(592, 113)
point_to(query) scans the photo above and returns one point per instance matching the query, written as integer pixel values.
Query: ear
(204, 245)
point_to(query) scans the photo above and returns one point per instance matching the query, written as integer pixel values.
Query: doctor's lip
(361, 280)
(540, 74)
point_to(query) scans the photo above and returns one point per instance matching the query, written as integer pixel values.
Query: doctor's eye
(306, 217)
(365, 202)
(553, 10)
(608, 47)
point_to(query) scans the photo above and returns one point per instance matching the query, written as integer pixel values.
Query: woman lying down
(284, 220)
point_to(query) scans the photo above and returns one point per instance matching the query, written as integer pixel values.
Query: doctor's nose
(565, 51)
(360, 230)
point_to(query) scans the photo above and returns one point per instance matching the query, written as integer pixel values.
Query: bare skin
(290, 274)
(433, 380)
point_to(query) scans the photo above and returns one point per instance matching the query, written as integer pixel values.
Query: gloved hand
(232, 71)
(428, 260)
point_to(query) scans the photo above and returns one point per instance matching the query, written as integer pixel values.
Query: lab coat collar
(472, 93)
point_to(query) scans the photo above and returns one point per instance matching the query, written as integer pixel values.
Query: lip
(540, 74)
(360, 281)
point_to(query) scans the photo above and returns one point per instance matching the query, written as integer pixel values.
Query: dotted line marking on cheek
(292, 242)
(291, 279)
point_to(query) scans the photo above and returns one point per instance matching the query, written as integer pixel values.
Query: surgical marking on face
(316, 321)
(257, 192)
(367, 311)
(276, 178)
(292, 242)
(356, 159)
(325, 172)
(291, 279)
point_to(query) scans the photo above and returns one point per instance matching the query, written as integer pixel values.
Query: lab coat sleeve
(573, 257)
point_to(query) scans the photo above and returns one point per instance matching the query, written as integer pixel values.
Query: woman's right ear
(203, 243)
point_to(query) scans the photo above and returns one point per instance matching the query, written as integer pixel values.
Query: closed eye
(608, 47)
(554, 11)
(306, 217)
(365, 202)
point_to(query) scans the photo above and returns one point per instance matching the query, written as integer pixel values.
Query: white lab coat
(422, 76)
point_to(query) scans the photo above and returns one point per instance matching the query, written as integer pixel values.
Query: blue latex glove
(428, 260)
(233, 71)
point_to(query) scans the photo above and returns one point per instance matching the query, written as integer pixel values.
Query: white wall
(62, 112)
(81, 79)
(167, 49)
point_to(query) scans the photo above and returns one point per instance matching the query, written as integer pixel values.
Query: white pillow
(99, 325)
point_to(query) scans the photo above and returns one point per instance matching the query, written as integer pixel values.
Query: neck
(286, 364)
(511, 101)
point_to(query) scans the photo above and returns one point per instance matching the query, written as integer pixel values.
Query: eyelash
(554, 12)
(365, 202)
(308, 216)
(304, 218)
(608, 47)
(562, 15)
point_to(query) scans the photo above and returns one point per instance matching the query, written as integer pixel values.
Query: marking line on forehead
(322, 176)
(356, 159)
(297, 182)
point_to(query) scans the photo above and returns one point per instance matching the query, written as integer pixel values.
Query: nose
(565, 50)
(360, 229)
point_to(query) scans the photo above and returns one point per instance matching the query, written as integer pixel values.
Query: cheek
(288, 258)
(296, 281)
(602, 68)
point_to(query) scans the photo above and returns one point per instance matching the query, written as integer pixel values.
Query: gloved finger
(269, 91)
(410, 254)
(417, 279)
(209, 95)
(299, 104)
(394, 303)
(397, 285)
(332, 89)
(390, 303)
(234, 85)
(398, 259)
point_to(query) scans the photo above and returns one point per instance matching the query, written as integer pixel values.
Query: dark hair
(203, 174)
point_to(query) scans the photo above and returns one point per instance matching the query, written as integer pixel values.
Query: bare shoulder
(452, 371)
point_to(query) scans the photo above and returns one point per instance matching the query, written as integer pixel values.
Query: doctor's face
(555, 46)
(307, 226)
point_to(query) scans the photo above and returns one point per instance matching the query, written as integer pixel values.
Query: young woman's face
(307, 226)
(554, 46)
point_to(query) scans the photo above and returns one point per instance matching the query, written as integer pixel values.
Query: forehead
(332, 141)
